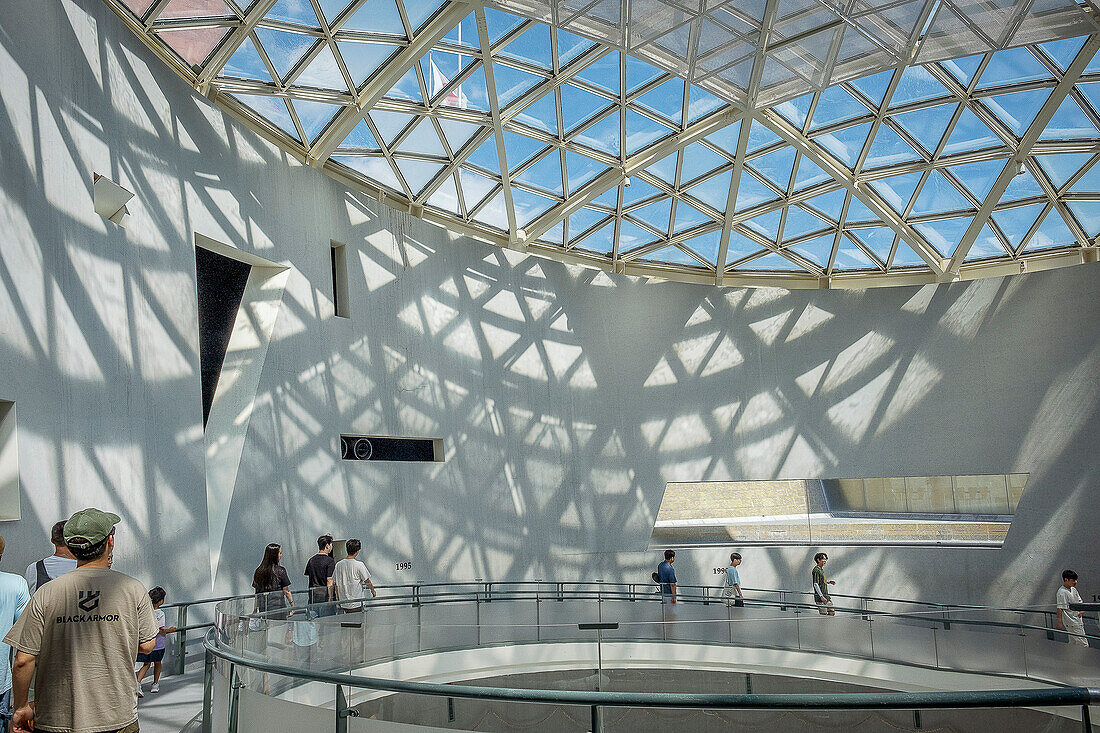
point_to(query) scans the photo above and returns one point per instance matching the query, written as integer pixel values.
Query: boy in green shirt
(821, 586)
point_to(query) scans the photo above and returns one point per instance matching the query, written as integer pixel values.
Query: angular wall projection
(9, 463)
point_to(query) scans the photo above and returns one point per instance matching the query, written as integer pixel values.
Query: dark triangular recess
(220, 282)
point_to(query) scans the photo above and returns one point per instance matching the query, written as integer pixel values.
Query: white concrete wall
(566, 398)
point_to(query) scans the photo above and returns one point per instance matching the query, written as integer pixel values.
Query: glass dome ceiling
(536, 137)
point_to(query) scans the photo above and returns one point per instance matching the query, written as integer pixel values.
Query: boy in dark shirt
(319, 570)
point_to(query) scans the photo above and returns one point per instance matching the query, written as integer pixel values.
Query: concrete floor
(174, 707)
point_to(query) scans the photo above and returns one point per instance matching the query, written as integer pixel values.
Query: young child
(1068, 620)
(155, 657)
(732, 590)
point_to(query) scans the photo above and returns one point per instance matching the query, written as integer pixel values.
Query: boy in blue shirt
(666, 576)
(732, 591)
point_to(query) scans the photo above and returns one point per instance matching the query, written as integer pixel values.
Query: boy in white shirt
(1068, 620)
(349, 577)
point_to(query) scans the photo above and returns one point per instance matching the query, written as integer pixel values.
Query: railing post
(181, 621)
(234, 698)
(597, 724)
(1086, 719)
(341, 710)
(208, 692)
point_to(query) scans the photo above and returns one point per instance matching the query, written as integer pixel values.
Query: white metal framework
(535, 137)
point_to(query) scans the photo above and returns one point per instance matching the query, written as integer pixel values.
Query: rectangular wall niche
(970, 510)
(339, 253)
(380, 448)
(9, 463)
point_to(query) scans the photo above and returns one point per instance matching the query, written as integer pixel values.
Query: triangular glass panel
(705, 245)
(545, 174)
(766, 225)
(985, 246)
(520, 148)
(376, 16)
(284, 49)
(639, 73)
(836, 105)
(641, 131)
(293, 11)
(850, 257)
(897, 190)
(656, 214)
(602, 135)
(672, 255)
(978, 177)
(541, 115)
(440, 67)
(570, 46)
(361, 138)
(760, 137)
(331, 9)
(1016, 222)
(639, 190)
(423, 139)
(246, 63)
(419, 11)
(465, 33)
(699, 159)
(665, 168)
(555, 234)
(485, 156)
(817, 250)
(714, 190)
(609, 198)
(1052, 233)
(726, 138)
(829, 204)
(917, 85)
(376, 170)
(963, 69)
(1089, 182)
(889, 148)
(475, 187)
(578, 106)
(939, 196)
(458, 133)
(1023, 186)
(1018, 109)
(873, 87)
(512, 83)
(499, 24)
(905, 256)
(470, 94)
(390, 124)
(603, 74)
(417, 173)
(927, 126)
(771, 262)
(944, 235)
(529, 206)
(322, 73)
(858, 211)
(1063, 51)
(1069, 123)
(1012, 66)
(1087, 214)
(845, 144)
(599, 242)
(687, 216)
(751, 192)
(363, 59)
(776, 166)
(532, 46)
(314, 116)
(632, 236)
(494, 213)
(407, 87)
(701, 103)
(1061, 168)
(809, 174)
(800, 222)
(795, 110)
(740, 247)
(1092, 94)
(272, 109)
(583, 221)
(666, 100)
(879, 240)
(446, 196)
(970, 133)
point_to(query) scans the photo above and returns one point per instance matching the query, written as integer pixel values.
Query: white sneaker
(140, 692)
(155, 687)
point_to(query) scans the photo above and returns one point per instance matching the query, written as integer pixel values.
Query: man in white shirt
(350, 577)
(1068, 620)
(54, 566)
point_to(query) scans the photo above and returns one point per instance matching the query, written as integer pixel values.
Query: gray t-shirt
(84, 628)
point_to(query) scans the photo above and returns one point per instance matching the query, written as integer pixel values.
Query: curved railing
(262, 651)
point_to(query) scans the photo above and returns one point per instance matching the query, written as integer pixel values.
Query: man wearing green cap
(78, 640)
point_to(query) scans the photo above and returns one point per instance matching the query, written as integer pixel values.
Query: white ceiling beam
(514, 240)
(1046, 113)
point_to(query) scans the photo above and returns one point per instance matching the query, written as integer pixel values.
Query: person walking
(666, 576)
(272, 584)
(821, 586)
(1068, 620)
(732, 589)
(79, 637)
(14, 597)
(351, 577)
(319, 570)
(60, 562)
(155, 657)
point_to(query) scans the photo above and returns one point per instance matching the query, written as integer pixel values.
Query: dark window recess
(374, 448)
(220, 282)
(340, 280)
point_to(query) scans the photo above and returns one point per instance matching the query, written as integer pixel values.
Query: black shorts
(154, 656)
